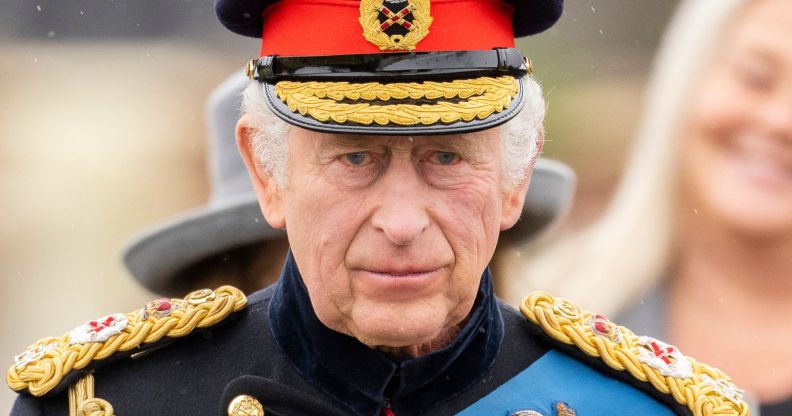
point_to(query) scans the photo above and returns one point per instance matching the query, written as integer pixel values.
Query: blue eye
(357, 158)
(445, 158)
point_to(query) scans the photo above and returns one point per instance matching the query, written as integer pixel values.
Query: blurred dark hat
(391, 67)
(232, 218)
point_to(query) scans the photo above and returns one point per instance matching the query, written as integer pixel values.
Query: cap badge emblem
(395, 24)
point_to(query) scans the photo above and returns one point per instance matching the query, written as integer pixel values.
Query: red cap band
(331, 27)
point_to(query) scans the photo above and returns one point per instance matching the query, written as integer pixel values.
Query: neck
(716, 260)
(730, 294)
(442, 340)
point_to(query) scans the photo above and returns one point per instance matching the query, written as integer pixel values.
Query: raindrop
(38, 7)
(148, 55)
(695, 210)
(601, 32)
(593, 9)
(51, 34)
(246, 15)
(35, 60)
(82, 13)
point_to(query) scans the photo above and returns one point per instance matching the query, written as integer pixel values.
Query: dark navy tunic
(278, 351)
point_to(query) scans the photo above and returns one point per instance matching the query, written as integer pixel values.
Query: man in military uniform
(408, 146)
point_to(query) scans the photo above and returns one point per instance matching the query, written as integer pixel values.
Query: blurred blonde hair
(630, 247)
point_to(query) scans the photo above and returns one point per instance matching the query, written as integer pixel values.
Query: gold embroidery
(374, 31)
(325, 101)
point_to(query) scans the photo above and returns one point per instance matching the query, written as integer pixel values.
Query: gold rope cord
(322, 101)
(565, 323)
(199, 309)
(82, 401)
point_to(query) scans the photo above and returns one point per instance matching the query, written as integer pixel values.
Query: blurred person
(393, 158)
(700, 228)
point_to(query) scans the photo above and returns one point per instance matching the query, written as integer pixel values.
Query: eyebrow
(348, 140)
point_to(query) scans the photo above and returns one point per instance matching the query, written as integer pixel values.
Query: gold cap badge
(395, 24)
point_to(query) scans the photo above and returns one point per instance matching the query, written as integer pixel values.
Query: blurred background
(102, 134)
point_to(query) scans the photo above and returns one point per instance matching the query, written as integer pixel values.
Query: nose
(401, 212)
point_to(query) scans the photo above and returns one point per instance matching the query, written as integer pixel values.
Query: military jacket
(271, 355)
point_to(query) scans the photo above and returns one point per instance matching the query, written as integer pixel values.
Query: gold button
(244, 405)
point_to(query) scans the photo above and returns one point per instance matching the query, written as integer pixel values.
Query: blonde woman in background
(696, 246)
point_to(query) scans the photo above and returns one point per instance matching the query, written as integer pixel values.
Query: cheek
(469, 216)
(322, 220)
(719, 109)
(720, 106)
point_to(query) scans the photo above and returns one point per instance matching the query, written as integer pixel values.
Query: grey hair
(519, 144)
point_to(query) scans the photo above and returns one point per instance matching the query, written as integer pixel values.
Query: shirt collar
(359, 376)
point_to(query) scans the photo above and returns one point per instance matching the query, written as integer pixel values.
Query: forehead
(763, 29)
(480, 140)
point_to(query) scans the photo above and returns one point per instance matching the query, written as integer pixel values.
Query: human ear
(513, 200)
(269, 194)
(512, 203)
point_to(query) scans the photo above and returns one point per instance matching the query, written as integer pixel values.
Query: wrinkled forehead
(473, 141)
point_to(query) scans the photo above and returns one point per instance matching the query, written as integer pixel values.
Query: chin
(757, 222)
(397, 327)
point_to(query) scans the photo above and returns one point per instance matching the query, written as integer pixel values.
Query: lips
(405, 272)
(765, 160)
(399, 284)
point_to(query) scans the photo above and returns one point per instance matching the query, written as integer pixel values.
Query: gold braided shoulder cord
(49, 360)
(479, 98)
(706, 392)
(82, 401)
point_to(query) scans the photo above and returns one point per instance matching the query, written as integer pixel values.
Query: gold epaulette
(45, 364)
(705, 390)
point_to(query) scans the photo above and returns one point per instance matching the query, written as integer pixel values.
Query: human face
(392, 234)
(737, 153)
